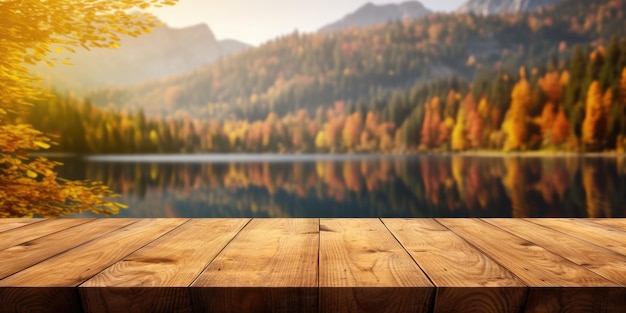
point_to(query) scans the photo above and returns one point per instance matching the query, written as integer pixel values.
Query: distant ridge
(164, 52)
(488, 7)
(371, 14)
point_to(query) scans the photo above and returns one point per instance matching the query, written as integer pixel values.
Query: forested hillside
(551, 79)
(311, 70)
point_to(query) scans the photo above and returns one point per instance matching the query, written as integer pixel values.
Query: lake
(359, 186)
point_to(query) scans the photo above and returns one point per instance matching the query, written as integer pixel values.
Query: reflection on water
(416, 186)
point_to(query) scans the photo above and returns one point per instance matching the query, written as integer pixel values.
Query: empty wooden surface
(538, 267)
(454, 265)
(32, 231)
(28, 253)
(10, 223)
(175, 260)
(619, 223)
(607, 236)
(359, 259)
(270, 266)
(312, 265)
(606, 263)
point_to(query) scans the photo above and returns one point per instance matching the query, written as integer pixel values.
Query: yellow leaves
(516, 124)
(42, 144)
(622, 87)
(594, 125)
(31, 187)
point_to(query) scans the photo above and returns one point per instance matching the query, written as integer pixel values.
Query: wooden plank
(40, 300)
(270, 266)
(11, 223)
(363, 268)
(61, 274)
(546, 273)
(604, 236)
(608, 264)
(577, 299)
(31, 252)
(76, 266)
(613, 222)
(150, 279)
(464, 276)
(32, 231)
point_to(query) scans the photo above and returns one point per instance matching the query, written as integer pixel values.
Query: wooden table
(312, 265)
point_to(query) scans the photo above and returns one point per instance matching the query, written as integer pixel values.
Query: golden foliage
(459, 140)
(31, 30)
(515, 125)
(622, 87)
(594, 125)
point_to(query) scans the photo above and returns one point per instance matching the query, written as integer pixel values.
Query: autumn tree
(432, 123)
(473, 123)
(352, 131)
(594, 124)
(30, 31)
(516, 125)
(621, 144)
(561, 128)
(622, 90)
(459, 139)
(551, 85)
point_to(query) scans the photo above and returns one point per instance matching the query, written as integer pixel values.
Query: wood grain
(464, 276)
(11, 223)
(576, 300)
(533, 264)
(358, 257)
(605, 236)
(280, 277)
(31, 252)
(72, 268)
(150, 279)
(32, 231)
(609, 264)
(40, 300)
(537, 267)
(619, 223)
(271, 265)
(136, 299)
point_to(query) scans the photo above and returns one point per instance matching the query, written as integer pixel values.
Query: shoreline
(289, 157)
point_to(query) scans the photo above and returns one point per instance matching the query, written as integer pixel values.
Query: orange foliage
(548, 116)
(473, 122)
(352, 130)
(432, 123)
(551, 86)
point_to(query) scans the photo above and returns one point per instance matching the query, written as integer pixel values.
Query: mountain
(361, 66)
(232, 46)
(488, 7)
(447, 82)
(164, 52)
(372, 14)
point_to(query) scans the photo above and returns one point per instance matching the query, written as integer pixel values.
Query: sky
(257, 21)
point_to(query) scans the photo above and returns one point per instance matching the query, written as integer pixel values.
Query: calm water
(360, 186)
